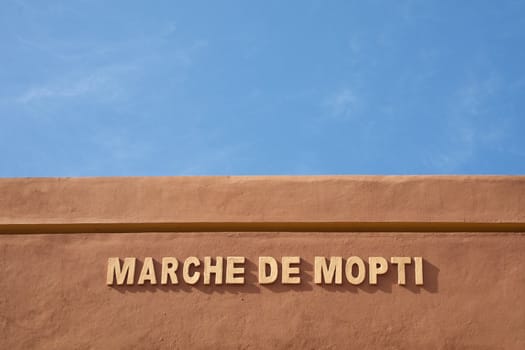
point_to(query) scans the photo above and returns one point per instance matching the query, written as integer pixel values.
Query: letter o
(361, 270)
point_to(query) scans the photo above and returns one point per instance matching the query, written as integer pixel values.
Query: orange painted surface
(54, 292)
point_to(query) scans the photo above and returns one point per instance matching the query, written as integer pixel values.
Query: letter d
(271, 277)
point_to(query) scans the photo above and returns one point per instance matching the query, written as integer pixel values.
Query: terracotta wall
(56, 236)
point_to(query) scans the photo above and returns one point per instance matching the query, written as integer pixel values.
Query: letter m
(328, 273)
(120, 272)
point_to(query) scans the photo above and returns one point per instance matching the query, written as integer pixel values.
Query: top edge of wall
(260, 199)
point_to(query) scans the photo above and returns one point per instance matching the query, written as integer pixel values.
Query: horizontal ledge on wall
(47, 228)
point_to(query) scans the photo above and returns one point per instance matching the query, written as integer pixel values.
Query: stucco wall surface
(263, 199)
(53, 292)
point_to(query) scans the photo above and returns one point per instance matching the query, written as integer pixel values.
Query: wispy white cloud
(469, 128)
(185, 55)
(344, 104)
(101, 69)
(474, 94)
(463, 147)
(105, 83)
(170, 28)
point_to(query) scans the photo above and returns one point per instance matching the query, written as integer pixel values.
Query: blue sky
(100, 88)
